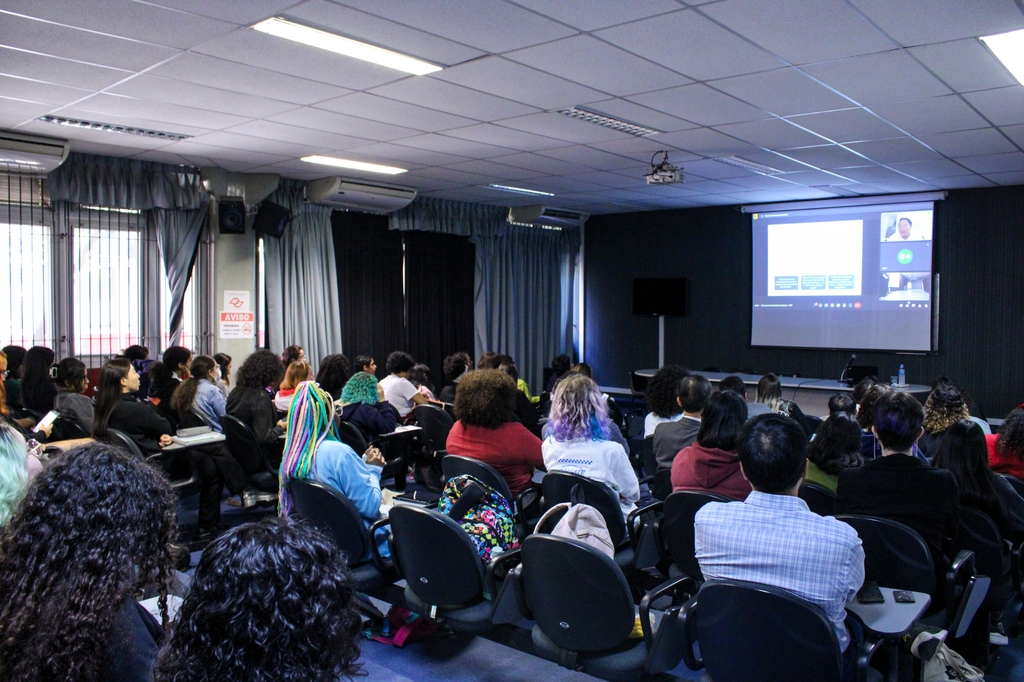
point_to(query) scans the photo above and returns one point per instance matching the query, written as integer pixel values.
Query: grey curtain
(523, 300)
(177, 234)
(302, 282)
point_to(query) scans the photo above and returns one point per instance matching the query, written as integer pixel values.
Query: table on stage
(810, 394)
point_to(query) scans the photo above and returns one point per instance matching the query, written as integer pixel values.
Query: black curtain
(439, 294)
(369, 262)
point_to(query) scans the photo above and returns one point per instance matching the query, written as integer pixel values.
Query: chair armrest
(383, 565)
(516, 576)
(687, 619)
(690, 588)
(634, 515)
(1016, 562)
(867, 651)
(524, 500)
(958, 574)
(503, 561)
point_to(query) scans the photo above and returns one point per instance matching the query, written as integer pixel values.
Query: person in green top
(835, 447)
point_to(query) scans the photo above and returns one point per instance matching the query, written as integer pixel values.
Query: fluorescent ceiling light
(354, 165)
(520, 190)
(1009, 49)
(750, 165)
(282, 28)
(607, 121)
(113, 128)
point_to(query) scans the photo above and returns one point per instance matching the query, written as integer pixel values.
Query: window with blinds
(26, 263)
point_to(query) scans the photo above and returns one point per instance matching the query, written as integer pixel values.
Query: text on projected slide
(815, 259)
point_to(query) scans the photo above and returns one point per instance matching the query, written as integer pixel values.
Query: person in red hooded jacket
(712, 463)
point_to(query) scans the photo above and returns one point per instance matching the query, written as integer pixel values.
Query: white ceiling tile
(714, 170)
(964, 65)
(934, 115)
(15, 112)
(101, 148)
(963, 182)
(498, 76)
(541, 164)
(612, 179)
(707, 142)
(505, 137)
(272, 130)
(318, 119)
(817, 178)
(868, 174)
(173, 114)
(634, 113)
(801, 31)
(969, 142)
(904, 185)
(916, 22)
(453, 145)
(771, 134)
(489, 168)
(883, 77)
(994, 163)
(440, 173)
(763, 182)
(237, 11)
(1011, 178)
(256, 144)
(690, 44)
(161, 156)
(156, 89)
(640, 148)
(496, 26)
(286, 56)
(58, 71)
(776, 161)
(589, 157)
(202, 69)
(802, 94)
(827, 156)
(1003, 106)
(405, 157)
(221, 153)
(1015, 133)
(559, 184)
(563, 128)
(365, 105)
(455, 99)
(126, 19)
(587, 60)
(926, 170)
(896, 149)
(61, 41)
(43, 93)
(700, 104)
(590, 15)
(847, 125)
(713, 186)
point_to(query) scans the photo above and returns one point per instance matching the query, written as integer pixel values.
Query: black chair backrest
(1017, 483)
(352, 436)
(895, 555)
(125, 442)
(578, 596)
(456, 465)
(66, 429)
(677, 527)
(439, 562)
(188, 419)
(436, 423)
(557, 488)
(331, 512)
(757, 632)
(649, 461)
(980, 534)
(820, 499)
(637, 383)
(244, 446)
(661, 486)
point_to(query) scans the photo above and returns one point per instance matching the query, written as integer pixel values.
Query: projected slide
(815, 259)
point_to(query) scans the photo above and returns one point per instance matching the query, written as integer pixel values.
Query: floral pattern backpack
(483, 512)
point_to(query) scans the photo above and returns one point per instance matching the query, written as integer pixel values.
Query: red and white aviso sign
(236, 325)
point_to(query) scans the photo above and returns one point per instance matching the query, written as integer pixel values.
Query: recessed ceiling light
(520, 190)
(607, 121)
(113, 128)
(1009, 49)
(282, 28)
(354, 165)
(750, 165)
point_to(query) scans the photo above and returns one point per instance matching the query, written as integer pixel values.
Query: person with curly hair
(1006, 450)
(454, 367)
(94, 530)
(662, 392)
(333, 374)
(314, 451)
(836, 446)
(252, 401)
(484, 404)
(270, 602)
(711, 463)
(296, 373)
(945, 406)
(578, 440)
(398, 390)
(364, 406)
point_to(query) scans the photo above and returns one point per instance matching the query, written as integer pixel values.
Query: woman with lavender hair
(578, 440)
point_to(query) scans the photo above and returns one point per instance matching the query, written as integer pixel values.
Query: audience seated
(364, 406)
(769, 392)
(524, 409)
(485, 430)
(945, 406)
(297, 372)
(842, 402)
(419, 375)
(398, 390)
(37, 386)
(614, 411)
(333, 374)
(489, 360)
(223, 382)
(836, 446)
(672, 436)
(560, 366)
(12, 382)
(454, 367)
(314, 451)
(23, 425)
(200, 394)
(365, 363)
(269, 601)
(139, 357)
(17, 469)
(164, 379)
(252, 401)
(711, 463)
(293, 354)
(902, 487)
(578, 440)
(94, 529)
(662, 397)
(774, 539)
(869, 448)
(736, 385)
(1006, 451)
(70, 400)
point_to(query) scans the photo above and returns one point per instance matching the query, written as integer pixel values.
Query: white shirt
(652, 420)
(599, 460)
(399, 392)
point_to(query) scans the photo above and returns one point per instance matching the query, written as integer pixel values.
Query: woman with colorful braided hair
(364, 406)
(313, 451)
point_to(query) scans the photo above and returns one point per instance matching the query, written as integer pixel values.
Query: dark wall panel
(979, 254)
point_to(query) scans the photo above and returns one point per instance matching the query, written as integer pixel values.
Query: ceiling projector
(663, 173)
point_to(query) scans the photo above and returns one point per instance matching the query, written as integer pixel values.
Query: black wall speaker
(231, 216)
(271, 219)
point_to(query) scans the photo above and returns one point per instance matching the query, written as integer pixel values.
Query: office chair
(246, 449)
(819, 499)
(674, 531)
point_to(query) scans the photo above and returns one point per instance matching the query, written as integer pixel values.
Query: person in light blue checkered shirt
(772, 537)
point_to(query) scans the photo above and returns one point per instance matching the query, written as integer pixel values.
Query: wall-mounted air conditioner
(359, 195)
(31, 154)
(546, 215)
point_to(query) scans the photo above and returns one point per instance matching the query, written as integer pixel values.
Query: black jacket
(140, 423)
(255, 407)
(372, 420)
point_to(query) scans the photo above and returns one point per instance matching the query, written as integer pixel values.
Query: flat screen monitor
(853, 277)
(659, 296)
